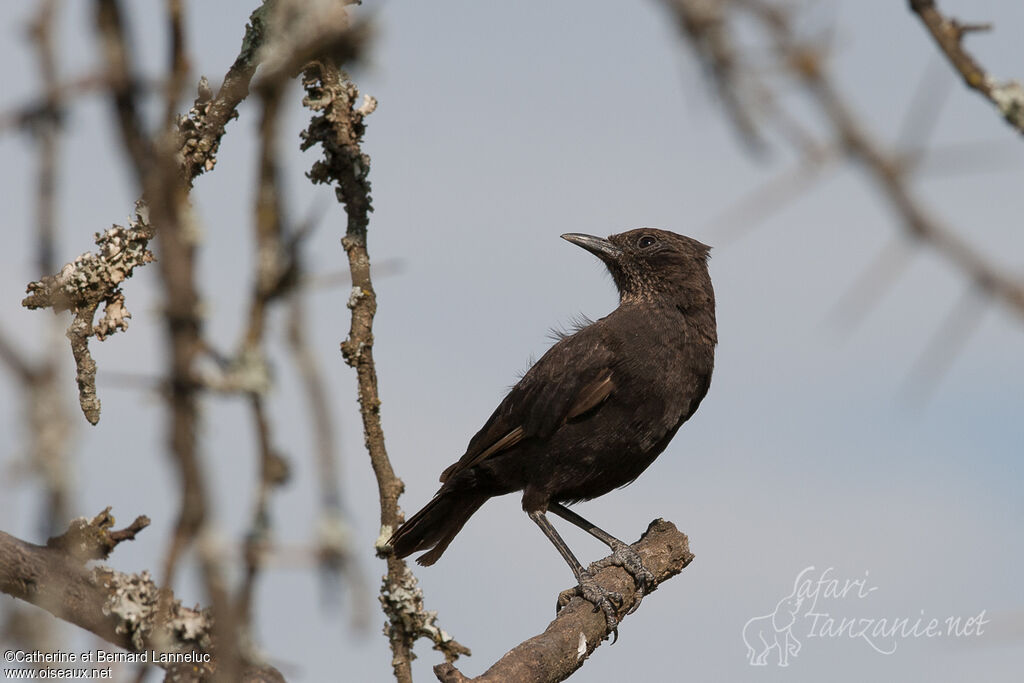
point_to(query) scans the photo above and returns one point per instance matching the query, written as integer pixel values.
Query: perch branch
(579, 629)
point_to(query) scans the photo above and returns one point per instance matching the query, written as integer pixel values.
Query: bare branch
(772, 196)
(704, 25)
(948, 33)
(579, 628)
(177, 69)
(112, 32)
(33, 112)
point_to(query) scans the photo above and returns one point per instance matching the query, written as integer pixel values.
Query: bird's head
(654, 265)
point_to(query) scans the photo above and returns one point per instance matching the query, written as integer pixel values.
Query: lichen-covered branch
(1008, 96)
(95, 278)
(127, 610)
(579, 629)
(203, 127)
(92, 280)
(402, 601)
(338, 128)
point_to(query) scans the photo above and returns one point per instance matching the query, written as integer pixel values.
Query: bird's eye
(646, 241)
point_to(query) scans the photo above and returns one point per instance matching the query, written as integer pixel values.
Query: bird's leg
(622, 555)
(589, 588)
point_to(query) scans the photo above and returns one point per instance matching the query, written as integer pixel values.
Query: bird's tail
(436, 525)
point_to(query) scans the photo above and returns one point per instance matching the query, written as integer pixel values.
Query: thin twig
(273, 469)
(771, 197)
(48, 419)
(852, 306)
(273, 277)
(948, 33)
(177, 70)
(960, 323)
(95, 539)
(334, 537)
(39, 110)
(338, 127)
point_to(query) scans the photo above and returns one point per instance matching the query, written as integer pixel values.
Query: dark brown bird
(595, 410)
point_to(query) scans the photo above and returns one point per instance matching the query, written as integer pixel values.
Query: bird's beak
(598, 246)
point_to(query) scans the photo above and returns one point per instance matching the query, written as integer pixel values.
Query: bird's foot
(627, 558)
(603, 600)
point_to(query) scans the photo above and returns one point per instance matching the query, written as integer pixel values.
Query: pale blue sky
(501, 126)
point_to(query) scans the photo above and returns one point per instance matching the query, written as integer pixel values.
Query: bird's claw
(627, 558)
(603, 600)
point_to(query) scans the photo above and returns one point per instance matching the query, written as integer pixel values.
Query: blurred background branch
(753, 97)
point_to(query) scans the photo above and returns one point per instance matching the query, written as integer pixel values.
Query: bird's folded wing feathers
(549, 395)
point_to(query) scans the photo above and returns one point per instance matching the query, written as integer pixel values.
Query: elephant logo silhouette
(774, 631)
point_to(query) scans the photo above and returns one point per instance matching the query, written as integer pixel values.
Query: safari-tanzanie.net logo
(823, 606)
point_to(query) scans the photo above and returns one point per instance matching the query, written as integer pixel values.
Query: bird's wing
(572, 378)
